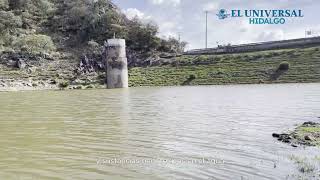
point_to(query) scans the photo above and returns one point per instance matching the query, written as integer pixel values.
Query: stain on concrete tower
(117, 65)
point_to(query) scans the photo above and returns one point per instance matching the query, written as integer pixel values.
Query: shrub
(9, 22)
(257, 56)
(172, 45)
(189, 80)
(90, 87)
(192, 77)
(63, 84)
(275, 54)
(36, 44)
(290, 52)
(245, 56)
(4, 4)
(52, 81)
(220, 71)
(268, 55)
(78, 87)
(94, 47)
(261, 81)
(284, 66)
(143, 37)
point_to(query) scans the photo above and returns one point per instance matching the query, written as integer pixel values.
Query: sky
(187, 18)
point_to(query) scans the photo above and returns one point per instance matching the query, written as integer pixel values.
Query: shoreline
(266, 67)
(306, 134)
(99, 87)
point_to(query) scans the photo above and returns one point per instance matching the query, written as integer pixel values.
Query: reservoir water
(203, 133)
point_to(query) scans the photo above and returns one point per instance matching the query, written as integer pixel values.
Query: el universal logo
(255, 16)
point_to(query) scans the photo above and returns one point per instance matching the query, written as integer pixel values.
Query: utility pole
(179, 39)
(206, 28)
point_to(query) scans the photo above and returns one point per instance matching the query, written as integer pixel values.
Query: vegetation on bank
(307, 134)
(307, 166)
(278, 66)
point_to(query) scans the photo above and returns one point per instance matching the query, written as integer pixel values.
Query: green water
(75, 134)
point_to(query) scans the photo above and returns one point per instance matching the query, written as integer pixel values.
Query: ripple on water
(62, 135)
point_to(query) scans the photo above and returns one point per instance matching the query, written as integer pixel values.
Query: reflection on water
(75, 134)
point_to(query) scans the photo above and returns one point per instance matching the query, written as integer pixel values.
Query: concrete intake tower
(116, 64)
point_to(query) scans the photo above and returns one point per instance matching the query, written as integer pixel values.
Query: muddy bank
(307, 134)
(30, 85)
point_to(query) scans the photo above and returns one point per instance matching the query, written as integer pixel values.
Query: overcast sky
(187, 17)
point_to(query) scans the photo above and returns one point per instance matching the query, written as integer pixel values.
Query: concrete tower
(117, 65)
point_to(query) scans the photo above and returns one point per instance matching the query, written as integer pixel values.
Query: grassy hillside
(247, 68)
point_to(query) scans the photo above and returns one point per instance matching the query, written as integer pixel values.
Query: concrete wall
(272, 45)
(116, 64)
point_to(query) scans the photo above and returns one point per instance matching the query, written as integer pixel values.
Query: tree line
(47, 25)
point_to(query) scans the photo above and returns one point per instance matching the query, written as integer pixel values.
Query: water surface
(75, 134)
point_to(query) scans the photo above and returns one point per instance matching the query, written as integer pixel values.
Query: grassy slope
(60, 67)
(246, 68)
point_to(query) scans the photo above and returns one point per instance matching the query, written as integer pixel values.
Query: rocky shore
(307, 134)
(26, 72)
(21, 85)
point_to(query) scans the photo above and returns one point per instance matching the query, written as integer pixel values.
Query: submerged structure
(116, 64)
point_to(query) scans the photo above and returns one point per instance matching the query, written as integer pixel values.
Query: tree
(32, 12)
(74, 23)
(35, 7)
(15, 4)
(142, 37)
(172, 45)
(88, 19)
(8, 27)
(8, 21)
(4, 4)
(36, 44)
